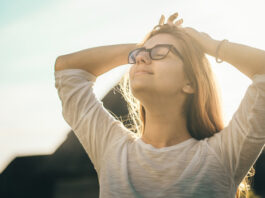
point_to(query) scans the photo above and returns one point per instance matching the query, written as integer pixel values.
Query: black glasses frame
(169, 46)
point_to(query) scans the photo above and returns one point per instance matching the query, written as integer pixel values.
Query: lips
(142, 71)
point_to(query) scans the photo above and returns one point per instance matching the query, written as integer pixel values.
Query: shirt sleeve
(95, 127)
(241, 142)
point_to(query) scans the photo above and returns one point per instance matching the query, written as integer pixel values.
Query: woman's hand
(208, 44)
(170, 20)
(204, 40)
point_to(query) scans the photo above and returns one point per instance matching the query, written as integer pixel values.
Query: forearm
(246, 59)
(97, 60)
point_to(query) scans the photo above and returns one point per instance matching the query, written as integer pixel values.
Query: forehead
(162, 38)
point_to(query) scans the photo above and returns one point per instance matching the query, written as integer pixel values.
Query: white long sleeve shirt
(127, 167)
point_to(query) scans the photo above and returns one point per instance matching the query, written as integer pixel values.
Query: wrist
(218, 54)
(211, 48)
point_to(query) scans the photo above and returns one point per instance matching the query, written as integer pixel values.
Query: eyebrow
(162, 44)
(157, 45)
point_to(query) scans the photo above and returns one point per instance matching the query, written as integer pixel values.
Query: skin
(162, 94)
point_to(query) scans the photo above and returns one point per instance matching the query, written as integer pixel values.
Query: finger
(162, 19)
(172, 18)
(179, 22)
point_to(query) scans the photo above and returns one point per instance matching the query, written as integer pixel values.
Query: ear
(188, 89)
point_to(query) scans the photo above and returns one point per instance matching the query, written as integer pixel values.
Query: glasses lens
(133, 54)
(159, 52)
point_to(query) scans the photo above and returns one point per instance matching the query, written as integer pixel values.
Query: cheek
(171, 78)
(170, 73)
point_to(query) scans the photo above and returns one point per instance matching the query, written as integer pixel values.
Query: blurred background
(33, 34)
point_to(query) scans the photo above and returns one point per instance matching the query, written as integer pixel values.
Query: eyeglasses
(157, 52)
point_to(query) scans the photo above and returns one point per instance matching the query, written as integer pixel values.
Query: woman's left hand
(204, 40)
(170, 20)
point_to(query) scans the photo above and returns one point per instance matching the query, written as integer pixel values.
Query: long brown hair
(202, 109)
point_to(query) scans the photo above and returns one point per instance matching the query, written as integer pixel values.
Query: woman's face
(167, 78)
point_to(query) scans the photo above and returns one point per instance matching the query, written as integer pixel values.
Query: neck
(166, 128)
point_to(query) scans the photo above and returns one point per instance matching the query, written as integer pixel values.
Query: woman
(180, 148)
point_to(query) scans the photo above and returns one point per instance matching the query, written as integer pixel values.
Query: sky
(34, 33)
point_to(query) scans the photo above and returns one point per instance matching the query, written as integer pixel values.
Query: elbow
(58, 63)
(260, 72)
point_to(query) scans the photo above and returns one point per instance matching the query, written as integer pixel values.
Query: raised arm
(97, 60)
(240, 143)
(75, 74)
(248, 60)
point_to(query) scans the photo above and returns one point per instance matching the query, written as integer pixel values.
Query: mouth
(142, 72)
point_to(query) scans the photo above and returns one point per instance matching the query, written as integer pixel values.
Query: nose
(143, 57)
